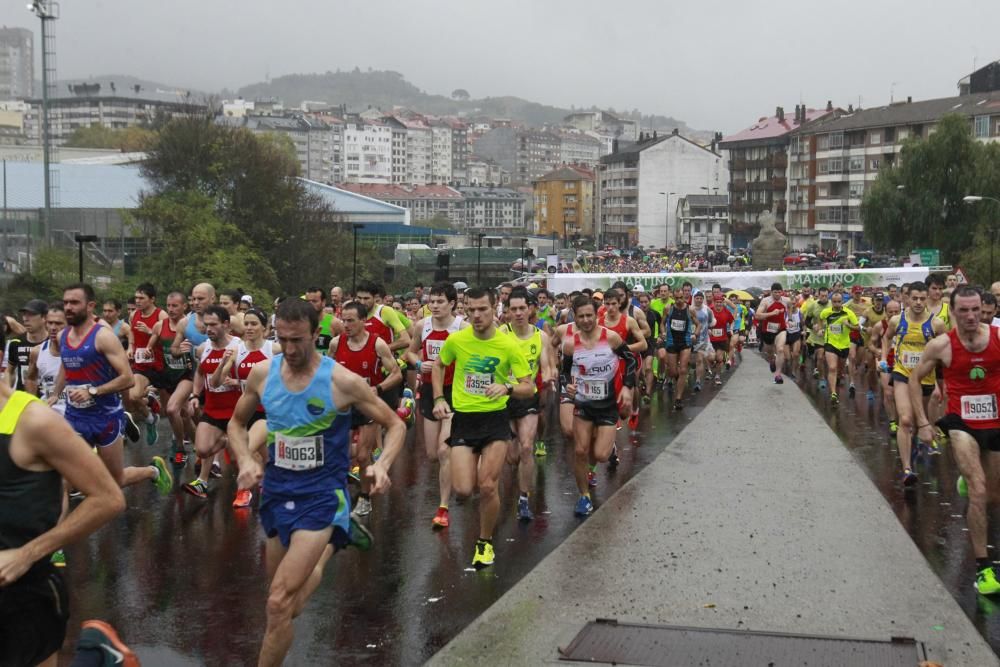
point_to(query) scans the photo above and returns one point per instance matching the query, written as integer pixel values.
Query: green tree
(130, 139)
(918, 203)
(196, 245)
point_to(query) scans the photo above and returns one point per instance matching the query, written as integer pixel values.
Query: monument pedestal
(769, 246)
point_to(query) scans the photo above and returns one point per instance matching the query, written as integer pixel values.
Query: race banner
(568, 282)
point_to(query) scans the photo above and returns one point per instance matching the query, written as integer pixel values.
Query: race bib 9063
(298, 453)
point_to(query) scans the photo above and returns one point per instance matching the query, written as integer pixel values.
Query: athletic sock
(983, 563)
(524, 496)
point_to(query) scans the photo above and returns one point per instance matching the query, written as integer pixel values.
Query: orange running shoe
(243, 498)
(441, 518)
(100, 635)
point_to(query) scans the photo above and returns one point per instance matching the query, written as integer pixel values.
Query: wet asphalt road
(183, 579)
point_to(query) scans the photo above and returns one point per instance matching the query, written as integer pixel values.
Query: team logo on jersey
(977, 373)
(315, 407)
(534, 349)
(478, 364)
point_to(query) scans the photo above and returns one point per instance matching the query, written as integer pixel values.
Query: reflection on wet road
(933, 515)
(183, 579)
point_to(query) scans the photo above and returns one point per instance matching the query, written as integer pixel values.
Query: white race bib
(836, 329)
(715, 333)
(592, 390)
(678, 325)
(298, 453)
(143, 355)
(434, 349)
(477, 383)
(773, 327)
(910, 359)
(80, 405)
(175, 363)
(793, 327)
(979, 408)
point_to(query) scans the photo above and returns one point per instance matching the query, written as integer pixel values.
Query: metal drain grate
(611, 642)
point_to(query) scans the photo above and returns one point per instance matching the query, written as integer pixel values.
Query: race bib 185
(592, 390)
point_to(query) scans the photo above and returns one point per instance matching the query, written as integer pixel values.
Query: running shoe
(440, 519)
(729, 364)
(774, 368)
(151, 435)
(591, 478)
(363, 507)
(583, 506)
(778, 379)
(354, 474)
(523, 511)
(243, 498)
(986, 582)
(851, 391)
(164, 479)
(216, 471)
(618, 424)
(540, 448)
(893, 426)
(909, 478)
(718, 380)
(483, 556)
(76, 495)
(962, 487)
(58, 558)
(100, 636)
(180, 459)
(822, 385)
(153, 401)
(197, 488)
(613, 460)
(834, 398)
(408, 393)
(646, 399)
(940, 440)
(870, 395)
(697, 387)
(678, 406)
(816, 373)
(633, 420)
(360, 537)
(131, 429)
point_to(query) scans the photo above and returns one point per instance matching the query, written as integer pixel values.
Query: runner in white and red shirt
(427, 337)
(772, 314)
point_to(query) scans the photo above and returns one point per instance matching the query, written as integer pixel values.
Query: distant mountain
(383, 89)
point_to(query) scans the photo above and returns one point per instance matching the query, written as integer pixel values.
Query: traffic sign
(960, 274)
(928, 256)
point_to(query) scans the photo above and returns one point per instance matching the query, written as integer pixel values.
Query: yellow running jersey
(531, 347)
(911, 339)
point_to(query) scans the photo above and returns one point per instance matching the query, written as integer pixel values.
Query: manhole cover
(665, 645)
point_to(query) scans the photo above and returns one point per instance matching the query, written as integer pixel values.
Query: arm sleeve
(630, 364)
(566, 371)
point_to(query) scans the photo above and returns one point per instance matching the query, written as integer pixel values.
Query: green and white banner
(568, 282)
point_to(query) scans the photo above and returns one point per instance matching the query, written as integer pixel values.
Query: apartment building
(368, 151)
(703, 222)
(526, 154)
(66, 114)
(313, 141)
(638, 185)
(424, 202)
(606, 122)
(564, 203)
(483, 171)
(419, 144)
(494, 211)
(17, 63)
(578, 148)
(441, 152)
(459, 151)
(758, 164)
(834, 161)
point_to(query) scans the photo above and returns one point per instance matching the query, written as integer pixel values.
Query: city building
(986, 79)
(579, 148)
(637, 185)
(758, 163)
(459, 151)
(237, 108)
(17, 63)
(313, 141)
(494, 211)
(483, 171)
(526, 154)
(703, 222)
(564, 203)
(424, 202)
(441, 152)
(419, 142)
(605, 122)
(368, 151)
(67, 114)
(832, 162)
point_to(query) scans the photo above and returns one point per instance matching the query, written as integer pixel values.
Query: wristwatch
(510, 388)
(92, 390)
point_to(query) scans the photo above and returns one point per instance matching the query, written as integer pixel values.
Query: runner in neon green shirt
(839, 323)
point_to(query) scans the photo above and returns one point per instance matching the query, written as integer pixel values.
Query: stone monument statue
(769, 246)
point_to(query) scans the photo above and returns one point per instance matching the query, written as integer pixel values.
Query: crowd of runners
(308, 405)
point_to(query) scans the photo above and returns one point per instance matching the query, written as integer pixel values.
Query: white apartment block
(579, 148)
(441, 152)
(367, 152)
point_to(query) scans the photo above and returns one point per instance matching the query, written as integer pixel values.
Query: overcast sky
(714, 64)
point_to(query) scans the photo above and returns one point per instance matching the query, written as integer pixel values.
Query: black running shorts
(426, 400)
(600, 416)
(986, 438)
(518, 408)
(33, 615)
(479, 429)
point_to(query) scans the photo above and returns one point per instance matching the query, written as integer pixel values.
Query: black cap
(35, 307)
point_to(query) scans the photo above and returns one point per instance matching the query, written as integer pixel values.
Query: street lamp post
(80, 240)
(972, 199)
(479, 260)
(523, 241)
(666, 222)
(708, 191)
(354, 277)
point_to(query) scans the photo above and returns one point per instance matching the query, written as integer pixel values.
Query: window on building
(834, 165)
(857, 164)
(981, 126)
(874, 165)
(875, 138)
(857, 190)
(836, 140)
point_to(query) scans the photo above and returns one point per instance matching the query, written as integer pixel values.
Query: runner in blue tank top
(94, 371)
(304, 507)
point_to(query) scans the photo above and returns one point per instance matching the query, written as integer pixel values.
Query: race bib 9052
(982, 407)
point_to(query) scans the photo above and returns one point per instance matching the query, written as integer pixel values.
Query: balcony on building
(779, 182)
(738, 185)
(779, 160)
(737, 164)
